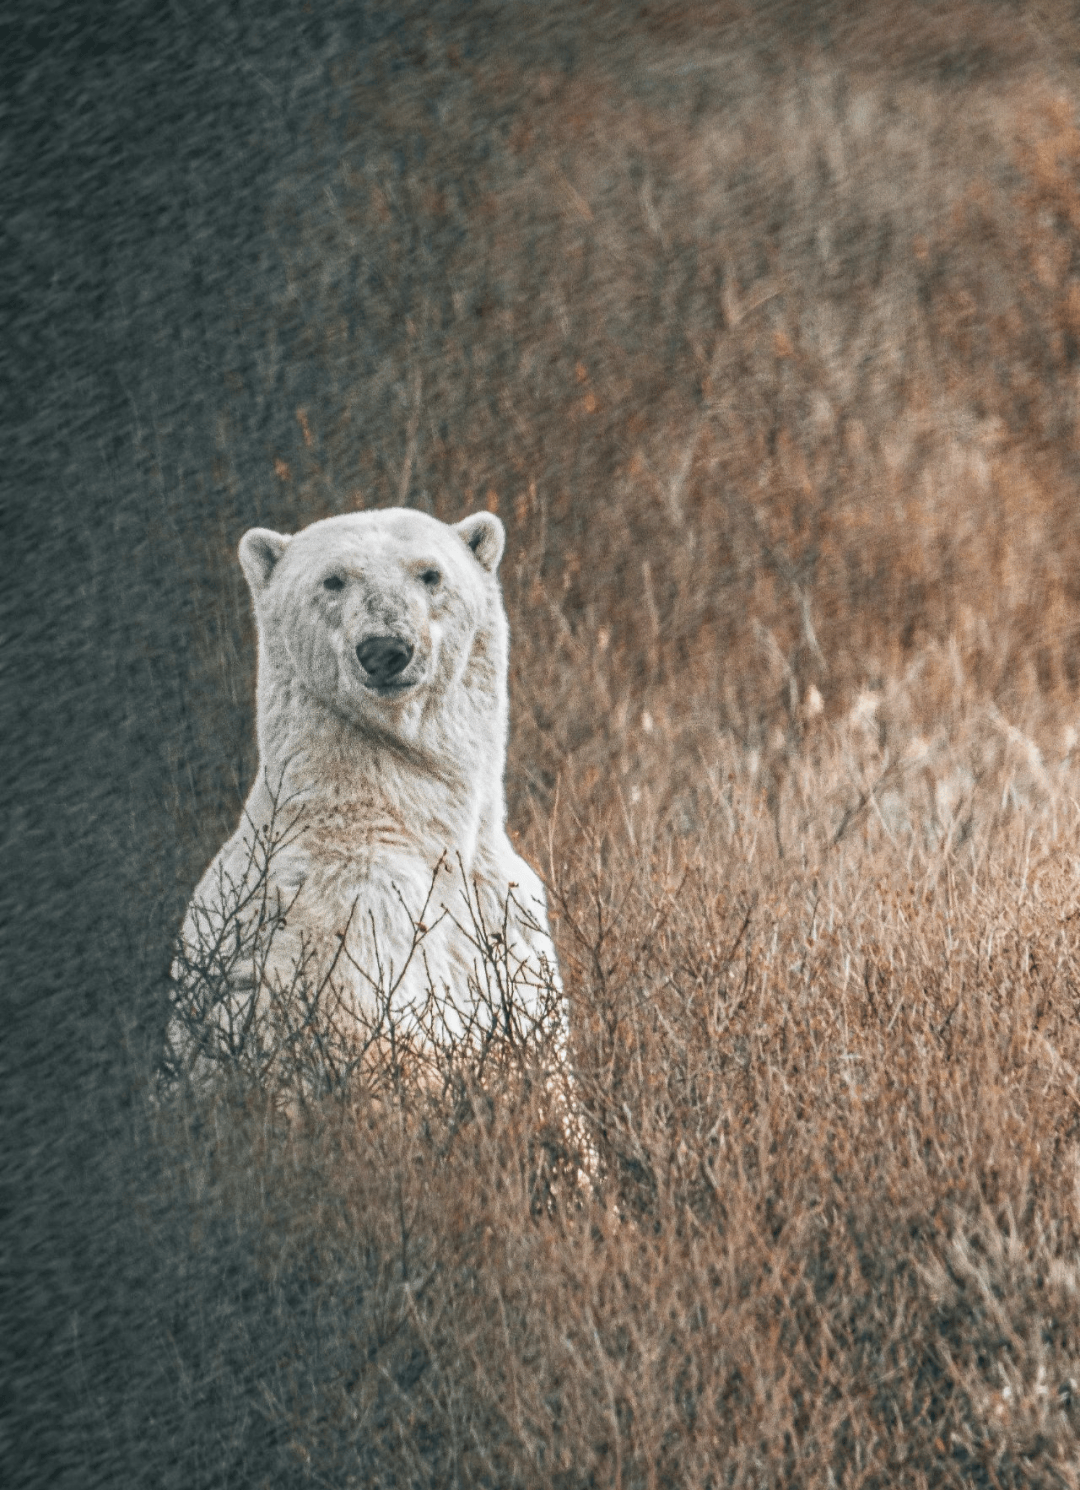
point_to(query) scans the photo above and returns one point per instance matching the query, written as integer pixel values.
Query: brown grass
(769, 357)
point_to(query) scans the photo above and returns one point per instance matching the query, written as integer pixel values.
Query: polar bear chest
(374, 885)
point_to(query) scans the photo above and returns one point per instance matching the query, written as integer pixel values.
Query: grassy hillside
(759, 326)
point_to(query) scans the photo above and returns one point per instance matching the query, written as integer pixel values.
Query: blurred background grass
(759, 325)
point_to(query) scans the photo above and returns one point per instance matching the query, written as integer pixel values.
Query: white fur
(378, 784)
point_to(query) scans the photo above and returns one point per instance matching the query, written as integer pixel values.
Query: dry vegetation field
(759, 326)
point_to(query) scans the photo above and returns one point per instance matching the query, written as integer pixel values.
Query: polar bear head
(377, 616)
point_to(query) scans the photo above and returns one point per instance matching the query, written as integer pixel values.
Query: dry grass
(830, 1221)
(769, 358)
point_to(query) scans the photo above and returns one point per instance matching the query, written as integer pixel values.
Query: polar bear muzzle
(384, 657)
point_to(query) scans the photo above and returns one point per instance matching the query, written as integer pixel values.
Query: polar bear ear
(486, 536)
(260, 550)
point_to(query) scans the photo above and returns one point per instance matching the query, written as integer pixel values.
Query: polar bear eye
(431, 578)
(333, 582)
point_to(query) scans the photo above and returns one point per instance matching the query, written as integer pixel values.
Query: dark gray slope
(141, 143)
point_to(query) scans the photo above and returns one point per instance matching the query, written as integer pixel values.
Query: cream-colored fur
(384, 794)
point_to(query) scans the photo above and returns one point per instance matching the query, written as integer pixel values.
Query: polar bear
(372, 866)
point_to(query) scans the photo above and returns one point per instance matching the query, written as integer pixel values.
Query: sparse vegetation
(760, 328)
(249, 1013)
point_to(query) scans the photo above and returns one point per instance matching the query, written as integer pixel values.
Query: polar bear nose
(383, 657)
